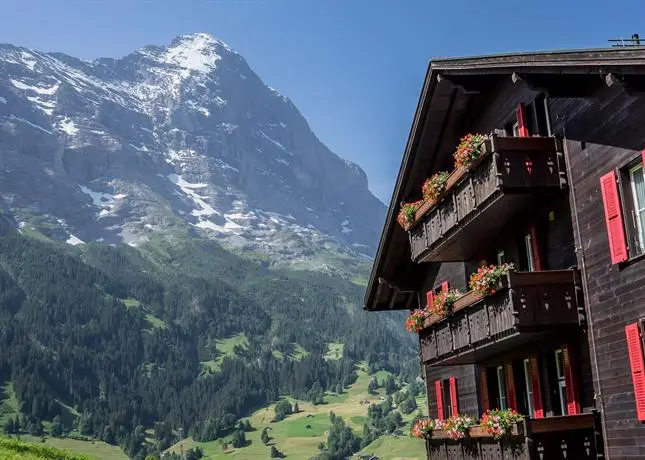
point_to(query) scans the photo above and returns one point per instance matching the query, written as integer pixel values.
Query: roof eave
(429, 84)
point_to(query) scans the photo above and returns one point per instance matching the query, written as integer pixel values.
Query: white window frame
(501, 387)
(500, 258)
(637, 209)
(516, 129)
(562, 384)
(528, 246)
(529, 386)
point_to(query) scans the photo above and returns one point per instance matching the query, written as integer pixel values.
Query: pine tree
(57, 427)
(8, 427)
(296, 409)
(372, 386)
(390, 385)
(265, 436)
(239, 440)
(275, 453)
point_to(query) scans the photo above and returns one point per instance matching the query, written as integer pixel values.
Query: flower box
(477, 431)
(466, 300)
(455, 177)
(432, 319)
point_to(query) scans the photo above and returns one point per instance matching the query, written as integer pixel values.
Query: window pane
(638, 196)
(563, 398)
(639, 188)
(559, 364)
(529, 252)
(529, 388)
(501, 384)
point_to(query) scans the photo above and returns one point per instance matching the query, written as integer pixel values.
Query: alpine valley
(177, 251)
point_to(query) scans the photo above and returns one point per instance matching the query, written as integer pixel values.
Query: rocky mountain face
(173, 140)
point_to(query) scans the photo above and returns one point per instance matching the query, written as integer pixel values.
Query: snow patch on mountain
(74, 241)
(68, 126)
(106, 202)
(179, 136)
(35, 89)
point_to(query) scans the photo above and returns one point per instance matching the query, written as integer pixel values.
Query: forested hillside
(113, 340)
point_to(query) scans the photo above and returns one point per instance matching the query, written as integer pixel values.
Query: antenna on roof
(625, 42)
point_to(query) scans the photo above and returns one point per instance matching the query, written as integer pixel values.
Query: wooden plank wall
(603, 133)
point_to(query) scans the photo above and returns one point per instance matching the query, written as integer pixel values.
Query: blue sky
(354, 68)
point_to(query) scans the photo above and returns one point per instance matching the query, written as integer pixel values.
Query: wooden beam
(395, 294)
(408, 304)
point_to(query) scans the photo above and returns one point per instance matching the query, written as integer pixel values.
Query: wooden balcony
(527, 307)
(480, 201)
(570, 437)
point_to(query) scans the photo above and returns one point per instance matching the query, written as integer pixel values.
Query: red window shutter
(614, 218)
(437, 387)
(573, 401)
(535, 248)
(484, 390)
(454, 405)
(538, 410)
(429, 298)
(521, 120)
(510, 386)
(635, 348)
(445, 286)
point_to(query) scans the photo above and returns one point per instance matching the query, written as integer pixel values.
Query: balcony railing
(479, 201)
(568, 437)
(526, 307)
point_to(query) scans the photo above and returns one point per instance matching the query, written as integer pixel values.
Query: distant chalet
(559, 192)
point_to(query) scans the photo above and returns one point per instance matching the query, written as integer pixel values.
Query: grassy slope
(12, 449)
(335, 351)
(225, 348)
(92, 449)
(299, 434)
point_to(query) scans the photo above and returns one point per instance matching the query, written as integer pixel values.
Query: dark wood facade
(572, 293)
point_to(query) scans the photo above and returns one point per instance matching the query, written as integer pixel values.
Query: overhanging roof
(442, 102)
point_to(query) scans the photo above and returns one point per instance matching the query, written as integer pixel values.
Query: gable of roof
(434, 109)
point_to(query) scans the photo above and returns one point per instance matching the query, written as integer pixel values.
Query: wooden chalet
(560, 193)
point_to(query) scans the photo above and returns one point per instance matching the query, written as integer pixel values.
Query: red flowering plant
(424, 426)
(407, 213)
(414, 322)
(443, 302)
(486, 280)
(457, 426)
(435, 186)
(470, 148)
(499, 422)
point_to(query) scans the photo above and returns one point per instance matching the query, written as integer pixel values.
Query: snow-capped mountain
(172, 140)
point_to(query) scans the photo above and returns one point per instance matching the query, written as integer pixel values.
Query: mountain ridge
(187, 133)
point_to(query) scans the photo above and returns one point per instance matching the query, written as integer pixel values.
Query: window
(501, 388)
(623, 196)
(529, 387)
(446, 394)
(447, 407)
(637, 208)
(562, 385)
(537, 116)
(528, 247)
(500, 258)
